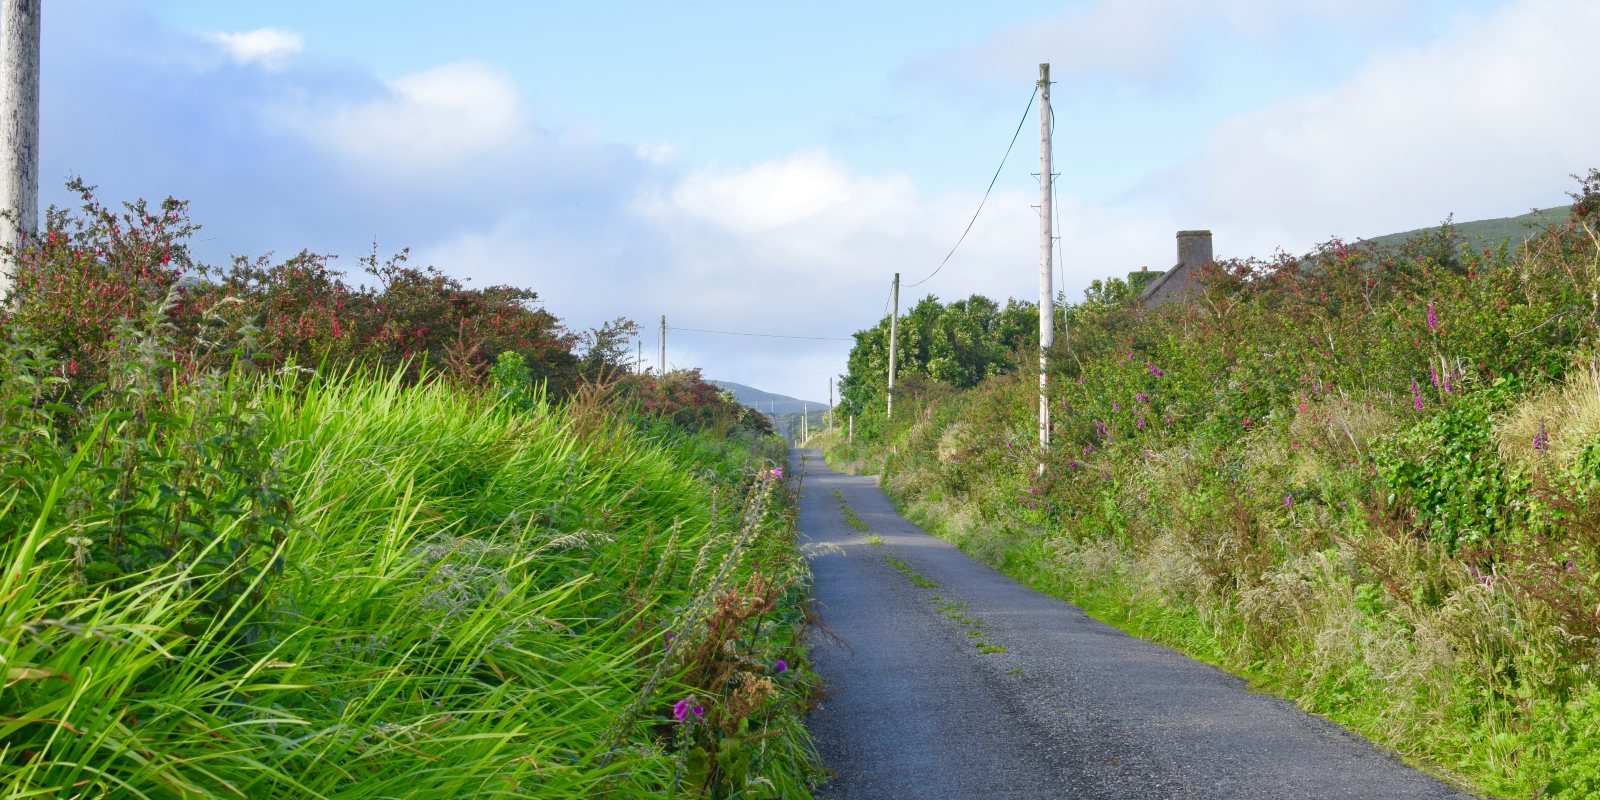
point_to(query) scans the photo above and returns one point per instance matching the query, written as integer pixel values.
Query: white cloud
(803, 245)
(435, 118)
(1487, 121)
(803, 189)
(658, 153)
(269, 47)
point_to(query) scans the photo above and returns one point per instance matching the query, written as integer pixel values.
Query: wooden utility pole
(1047, 315)
(830, 405)
(805, 422)
(19, 129)
(638, 358)
(662, 363)
(894, 335)
(852, 429)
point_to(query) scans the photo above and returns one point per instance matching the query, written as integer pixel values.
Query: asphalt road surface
(912, 708)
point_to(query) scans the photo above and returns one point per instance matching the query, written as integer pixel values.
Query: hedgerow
(1364, 476)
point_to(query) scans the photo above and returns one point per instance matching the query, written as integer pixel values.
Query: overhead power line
(763, 335)
(986, 192)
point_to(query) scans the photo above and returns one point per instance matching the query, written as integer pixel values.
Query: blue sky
(758, 167)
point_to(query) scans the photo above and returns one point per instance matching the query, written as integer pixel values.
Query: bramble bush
(93, 268)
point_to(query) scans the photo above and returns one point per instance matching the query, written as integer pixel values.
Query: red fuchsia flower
(1302, 408)
(680, 709)
(699, 711)
(1433, 319)
(1247, 423)
(776, 473)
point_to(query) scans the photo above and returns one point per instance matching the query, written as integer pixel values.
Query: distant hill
(787, 412)
(1487, 232)
(767, 402)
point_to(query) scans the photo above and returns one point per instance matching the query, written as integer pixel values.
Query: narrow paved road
(1072, 708)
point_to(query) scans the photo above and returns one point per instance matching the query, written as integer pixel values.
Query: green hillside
(1488, 232)
(768, 402)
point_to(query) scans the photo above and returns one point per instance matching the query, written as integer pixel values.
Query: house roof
(1156, 283)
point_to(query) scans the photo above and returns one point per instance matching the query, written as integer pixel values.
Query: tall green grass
(409, 592)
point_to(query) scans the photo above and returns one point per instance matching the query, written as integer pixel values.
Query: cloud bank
(281, 148)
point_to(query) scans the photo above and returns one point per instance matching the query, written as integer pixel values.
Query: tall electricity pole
(1047, 315)
(830, 405)
(19, 128)
(638, 358)
(663, 361)
(894, 336)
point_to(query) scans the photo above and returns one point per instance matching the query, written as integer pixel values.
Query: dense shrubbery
(958, 344)
(230, 575)
(1366, 476)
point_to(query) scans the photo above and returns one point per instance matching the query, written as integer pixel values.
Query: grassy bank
(1367, 479)
(298, 587)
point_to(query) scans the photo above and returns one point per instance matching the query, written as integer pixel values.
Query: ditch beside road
(945, 679)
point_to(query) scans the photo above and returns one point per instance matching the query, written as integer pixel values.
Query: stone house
(1180, 282)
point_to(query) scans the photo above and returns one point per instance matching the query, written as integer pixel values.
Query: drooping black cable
(986, 192)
